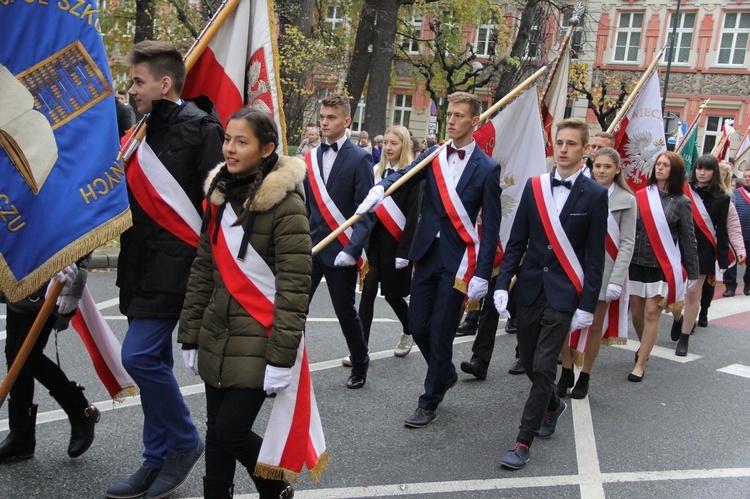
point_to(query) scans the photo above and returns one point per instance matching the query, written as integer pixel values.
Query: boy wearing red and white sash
(452, 261)
(182, 144)
(339, 175)
(561, 227)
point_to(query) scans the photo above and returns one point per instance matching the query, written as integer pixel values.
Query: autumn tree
(605, 92)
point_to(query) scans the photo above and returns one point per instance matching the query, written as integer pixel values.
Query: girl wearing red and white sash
(623, 214)
(710, 211)
(226, 306)
(651, 288)
(390, 241)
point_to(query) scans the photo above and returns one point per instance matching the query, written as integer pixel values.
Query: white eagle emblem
(641, 153)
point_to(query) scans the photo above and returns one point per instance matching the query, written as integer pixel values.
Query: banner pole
(691, 127)
(636, 91)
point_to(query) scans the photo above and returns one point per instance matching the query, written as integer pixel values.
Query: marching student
(740, 241)
(182, 144)
(710, 209)
(621, 220)
(251, 275)
(448, 266)
(664, 244)
(390, 240)
(561, 227)
(339, 176)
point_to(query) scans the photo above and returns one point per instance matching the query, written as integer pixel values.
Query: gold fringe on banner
(672, 307)
(18, 290)
(126, 392)
(577, 357)
(276, 58)
(271, 472)
(614, 341)
(363, 271)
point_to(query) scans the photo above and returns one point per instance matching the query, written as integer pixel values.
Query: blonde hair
(727, 183)
(405, 159)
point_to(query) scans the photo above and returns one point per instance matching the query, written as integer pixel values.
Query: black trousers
(38, 366)
(541, 334)
(230, 438)
(367, 303)
(484, 342)
(341, 283)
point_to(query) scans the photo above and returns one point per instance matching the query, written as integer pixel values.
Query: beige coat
(624, 209)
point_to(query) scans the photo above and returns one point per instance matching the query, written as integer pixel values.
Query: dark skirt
(647, 282)
(381, 254)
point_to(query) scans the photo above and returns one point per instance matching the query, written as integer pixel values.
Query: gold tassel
(577, 357)
(363, 270)
(120, 397)
(317, 471)
(469, 306)
(271, 472)
(614, 341)
(672, 307)
(18, 290)
(460, 285)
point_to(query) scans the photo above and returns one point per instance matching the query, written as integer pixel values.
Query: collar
(611, 189)
(572, 178)
(469, 149)
(340, 142)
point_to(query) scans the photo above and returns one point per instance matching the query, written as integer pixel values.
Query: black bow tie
(450, 150)
(565, 183)
(388, 171)
(334, 146)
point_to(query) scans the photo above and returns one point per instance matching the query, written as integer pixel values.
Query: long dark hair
(708, 162)
(676, 179)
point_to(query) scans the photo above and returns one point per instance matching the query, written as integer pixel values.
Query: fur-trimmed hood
(286, 176)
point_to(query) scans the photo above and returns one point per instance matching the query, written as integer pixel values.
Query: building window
(531, 52)
(712, 132)
(410, 43)
(576, 39)
(334, 17)
(684, 37)
(628, 36)
(359, 116)
(485, 42)
(401, 110)
(734, 38)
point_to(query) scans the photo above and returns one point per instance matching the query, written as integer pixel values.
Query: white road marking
(587, 456)
(661, 352)
(737, 370)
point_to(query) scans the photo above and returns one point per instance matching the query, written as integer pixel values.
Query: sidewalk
(104, 258)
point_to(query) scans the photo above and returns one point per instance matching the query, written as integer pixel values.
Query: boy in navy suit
(452, 262)
(561, 227)
(339, 176)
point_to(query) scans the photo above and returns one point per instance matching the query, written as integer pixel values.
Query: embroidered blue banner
(62, 187)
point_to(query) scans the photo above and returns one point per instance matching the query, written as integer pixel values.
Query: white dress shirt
(329, 157)
(456, 165)
(560, 193)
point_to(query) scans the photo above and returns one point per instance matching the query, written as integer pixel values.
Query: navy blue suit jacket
(478, 187)
(584, 220)
(350, 180)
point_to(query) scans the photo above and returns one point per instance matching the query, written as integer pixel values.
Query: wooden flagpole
(636, 91)
(691, 127)
(30, 341)
(192, 56)
(723, 140)
(574, 20)
(427, 160)
(742, 139)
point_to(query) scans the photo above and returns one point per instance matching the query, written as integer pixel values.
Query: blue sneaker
(549, 423)
(517, 457)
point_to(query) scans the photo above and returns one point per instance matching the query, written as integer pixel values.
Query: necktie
(387, 172)
(565, 183)
(334, 146)
(450, 150)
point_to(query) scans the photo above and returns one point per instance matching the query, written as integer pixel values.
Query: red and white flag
(723, 147)
(742, 156)
(514, 138)
(555, 100)
(240, 65)
(640, 137)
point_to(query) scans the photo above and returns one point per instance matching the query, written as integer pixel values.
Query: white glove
(188, 358)
(477, 288)
(581, 319)
(401, 263)
(344, 259)
(691, 282)
(277, 379)
(66, 278)
(372, 201)
(613, 292)
(501, 303)
(66, 304)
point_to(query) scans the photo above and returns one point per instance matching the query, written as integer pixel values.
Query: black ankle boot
(682, 345)
(567, 380)
(21, 441)
(582, 387)
(82, 416)
(214, 488)
(703, 317)
(676, 330)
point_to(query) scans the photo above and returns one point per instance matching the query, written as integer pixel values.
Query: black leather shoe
(358, 377)
(510, 326)
(136, 485)
(466, 329)
(567, 380)
(728, 293)
(582, 387)
(476, 367)
(82, 431)
(676, 330)
(746, 291)
(421, 418)
(682, 345)
(703, 321)
(452, 381)
(516, 367)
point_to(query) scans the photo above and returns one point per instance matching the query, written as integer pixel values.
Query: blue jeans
(147, 357)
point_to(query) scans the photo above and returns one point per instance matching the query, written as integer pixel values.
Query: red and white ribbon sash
(612, 243)
(703, 221)
(563, 249)
(331, 214)
(458, 217)
(294, 435)
(161, 196)
(103, 347)
(745, 195)
(666, 251)
(392, 218)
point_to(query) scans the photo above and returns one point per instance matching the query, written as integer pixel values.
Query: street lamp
(671, 55)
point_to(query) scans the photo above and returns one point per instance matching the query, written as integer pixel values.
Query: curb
(104, 258)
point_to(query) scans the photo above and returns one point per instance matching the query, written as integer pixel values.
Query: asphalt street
(680, 433)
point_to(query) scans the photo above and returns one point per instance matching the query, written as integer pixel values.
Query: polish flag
(640, 137)
(555, 100)
(742, 156)
(240, 64)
